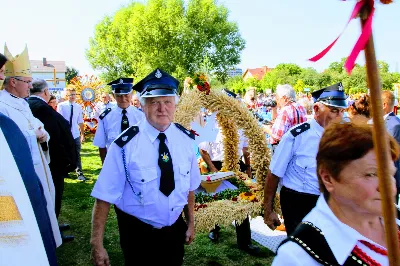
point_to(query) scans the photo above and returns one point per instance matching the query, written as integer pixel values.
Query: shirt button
(142, 180)
(187, 172)
(172, 209)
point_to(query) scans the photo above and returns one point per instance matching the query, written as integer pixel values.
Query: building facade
(46, 72)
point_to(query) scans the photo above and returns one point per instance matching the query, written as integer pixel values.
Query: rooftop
(37, 66)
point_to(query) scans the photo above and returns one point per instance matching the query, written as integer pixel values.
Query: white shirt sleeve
(205, 146)
(282, 155)
(111, 181)
(99, 139)
(292, 254)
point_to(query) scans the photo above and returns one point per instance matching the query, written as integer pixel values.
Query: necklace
(367, 259)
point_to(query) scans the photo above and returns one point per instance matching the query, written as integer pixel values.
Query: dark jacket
(61, 143)
(23, 158)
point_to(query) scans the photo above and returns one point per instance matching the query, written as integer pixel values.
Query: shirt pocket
(184, 177)
(144, 183)
(112, 135)
(305, 166)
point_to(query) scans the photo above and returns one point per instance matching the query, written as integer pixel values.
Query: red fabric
(286, 119)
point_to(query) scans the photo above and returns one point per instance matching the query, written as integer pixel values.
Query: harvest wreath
(227, 206)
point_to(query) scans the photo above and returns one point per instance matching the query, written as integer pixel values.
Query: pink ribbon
(361, 42)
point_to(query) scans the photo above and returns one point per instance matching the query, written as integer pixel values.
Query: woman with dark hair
(53, 102)
(346, 226)
(3, 61)
(362, 106)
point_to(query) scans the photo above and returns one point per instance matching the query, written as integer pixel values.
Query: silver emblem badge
(124, 138)
(158, 74)
(121, 81)
(298, 130)
(340, 87)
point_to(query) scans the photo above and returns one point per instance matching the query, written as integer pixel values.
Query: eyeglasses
(27, 82)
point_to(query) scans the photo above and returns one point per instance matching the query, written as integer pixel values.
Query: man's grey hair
(143, 100)
(286, 90)
(38, 86)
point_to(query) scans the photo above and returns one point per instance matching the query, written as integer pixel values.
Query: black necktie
(124, 121)
(70, 117)
(167, 183)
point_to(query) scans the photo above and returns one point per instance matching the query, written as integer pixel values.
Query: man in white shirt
(113, 121)
(72, 112)
(103, 105)
(149, 175)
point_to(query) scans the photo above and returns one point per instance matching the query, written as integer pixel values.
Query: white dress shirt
(109, 127)
(216, 148)
(64, 109)
(294, 160)
(152, 206)
(341, 239)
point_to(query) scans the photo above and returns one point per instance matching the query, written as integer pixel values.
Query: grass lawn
(76, 210)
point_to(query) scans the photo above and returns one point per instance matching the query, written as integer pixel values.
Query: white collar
(386, 115)
(35, 96)
(317, 127)
(152, 132)
(341, 238)
(13, 101)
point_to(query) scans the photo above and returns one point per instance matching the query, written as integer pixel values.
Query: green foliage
(71, 73)
(181, 37)
(227, 194)
(301, 78)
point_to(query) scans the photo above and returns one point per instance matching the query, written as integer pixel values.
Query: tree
(299, 87)
(168, 34)
(71, 73)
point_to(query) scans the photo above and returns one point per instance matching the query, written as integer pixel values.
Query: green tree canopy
(71, 73)
(172, 35)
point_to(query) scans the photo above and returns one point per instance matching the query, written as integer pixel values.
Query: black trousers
(142, 244)
(295, 206)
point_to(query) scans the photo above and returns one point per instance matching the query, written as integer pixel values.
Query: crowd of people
(323, 166)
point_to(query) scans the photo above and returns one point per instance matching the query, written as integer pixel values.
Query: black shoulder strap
(126, 136)
(184, 130)
(312, 240)
(103, 114)
(300, 129)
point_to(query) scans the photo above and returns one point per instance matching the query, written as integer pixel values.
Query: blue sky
(277, 31)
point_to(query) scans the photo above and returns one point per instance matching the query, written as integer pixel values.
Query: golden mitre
(18, 66)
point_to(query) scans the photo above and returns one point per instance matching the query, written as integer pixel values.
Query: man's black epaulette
(300, 129)
(103, 114)
(126, 136)
(184, 130)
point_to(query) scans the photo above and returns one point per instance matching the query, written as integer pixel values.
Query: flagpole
(381, 144)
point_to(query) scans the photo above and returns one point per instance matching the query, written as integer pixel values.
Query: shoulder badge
(300, 129)
(103, 114)
(184, 130)
(126, 136)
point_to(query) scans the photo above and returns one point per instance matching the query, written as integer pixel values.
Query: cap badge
(121, 81)
(340, 87)
(158, 74)
(124, 138)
